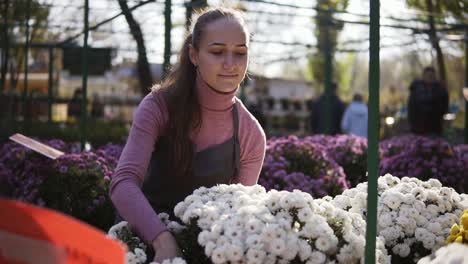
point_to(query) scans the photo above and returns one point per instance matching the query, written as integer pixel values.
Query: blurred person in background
(354, 120)
(97, 111)
(74, 106)
(318, 115)
(428, 102)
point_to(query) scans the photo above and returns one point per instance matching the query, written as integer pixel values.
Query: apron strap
(235, 118)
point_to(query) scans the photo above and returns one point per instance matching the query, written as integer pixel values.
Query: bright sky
(266, 58)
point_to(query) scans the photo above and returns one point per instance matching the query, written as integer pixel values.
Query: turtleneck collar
(211, 99)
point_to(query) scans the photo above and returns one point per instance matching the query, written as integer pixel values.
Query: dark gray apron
(215, 165)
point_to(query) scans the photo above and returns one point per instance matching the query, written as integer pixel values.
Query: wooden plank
(36, 146)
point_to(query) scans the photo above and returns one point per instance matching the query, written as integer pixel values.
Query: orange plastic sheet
(30, 234)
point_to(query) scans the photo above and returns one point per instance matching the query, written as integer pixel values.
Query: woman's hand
(165, 247)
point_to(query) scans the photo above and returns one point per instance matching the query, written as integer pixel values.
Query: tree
(12, 28)
(437, 12)
(325, 24)
(190, 8)
(143, 67)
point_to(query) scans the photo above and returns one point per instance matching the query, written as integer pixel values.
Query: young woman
(190, 131)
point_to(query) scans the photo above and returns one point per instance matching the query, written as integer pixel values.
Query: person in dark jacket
(427, 104)
(318, 114)
(74, 106)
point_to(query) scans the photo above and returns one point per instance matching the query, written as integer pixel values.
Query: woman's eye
(241, 53)
(217, 52)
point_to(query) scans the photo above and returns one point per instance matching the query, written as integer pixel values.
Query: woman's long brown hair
(180, 94)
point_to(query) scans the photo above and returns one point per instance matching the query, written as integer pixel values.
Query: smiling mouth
(228, 76)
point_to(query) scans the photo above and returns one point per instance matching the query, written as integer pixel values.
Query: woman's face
(222, 57)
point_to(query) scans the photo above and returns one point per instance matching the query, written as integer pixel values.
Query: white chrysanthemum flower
(175, 227)
(292, 247)
(192, 199)
(284, 215)
(164, 217)
(435, 183)
(391, 180)
(346, 254)
(131, 258)
(433, 209)
(204, 237)
(410, 227)
(277, 247)
(342, 201)
(269, 232)
(402, 250)
(392, 199)
(286, 201)
(351, 193)
(323, 244)
(254, 226)
(420, 233)
(233, 233)
(140, 255)
(209, 247)
(429, 240)
(178, 261)
(222, 241)
(385, 220)
(317, 257)
(305, 250)
(237, 222)
(305, 214)
(270, 259)
(391, 234)
(204, 223)
(233, 253)
(419, 205)
(218, 255)
(113, 231)
(309, 230)
(434, 227)
(254, 241)
(255, 256)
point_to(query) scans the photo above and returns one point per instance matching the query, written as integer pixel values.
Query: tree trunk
(435, 43)
(143, 67)
(188, 15)
(167, 36)
(6, 48)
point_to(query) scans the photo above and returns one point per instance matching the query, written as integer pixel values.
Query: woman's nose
(228, 61)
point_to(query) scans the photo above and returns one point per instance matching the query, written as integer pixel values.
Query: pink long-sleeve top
(149, 122)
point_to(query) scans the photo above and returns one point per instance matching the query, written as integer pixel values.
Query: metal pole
(167, 37)
(373, 131)
(466, 85)
(26, 55)
(50, 99)
(328, 73)
(84, 60)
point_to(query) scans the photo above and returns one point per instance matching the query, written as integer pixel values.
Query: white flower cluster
(123, 233)
(453, 253)
(410, 213)
(242, 224)
(171, 261)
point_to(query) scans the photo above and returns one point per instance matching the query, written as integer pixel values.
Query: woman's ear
(193, 55)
